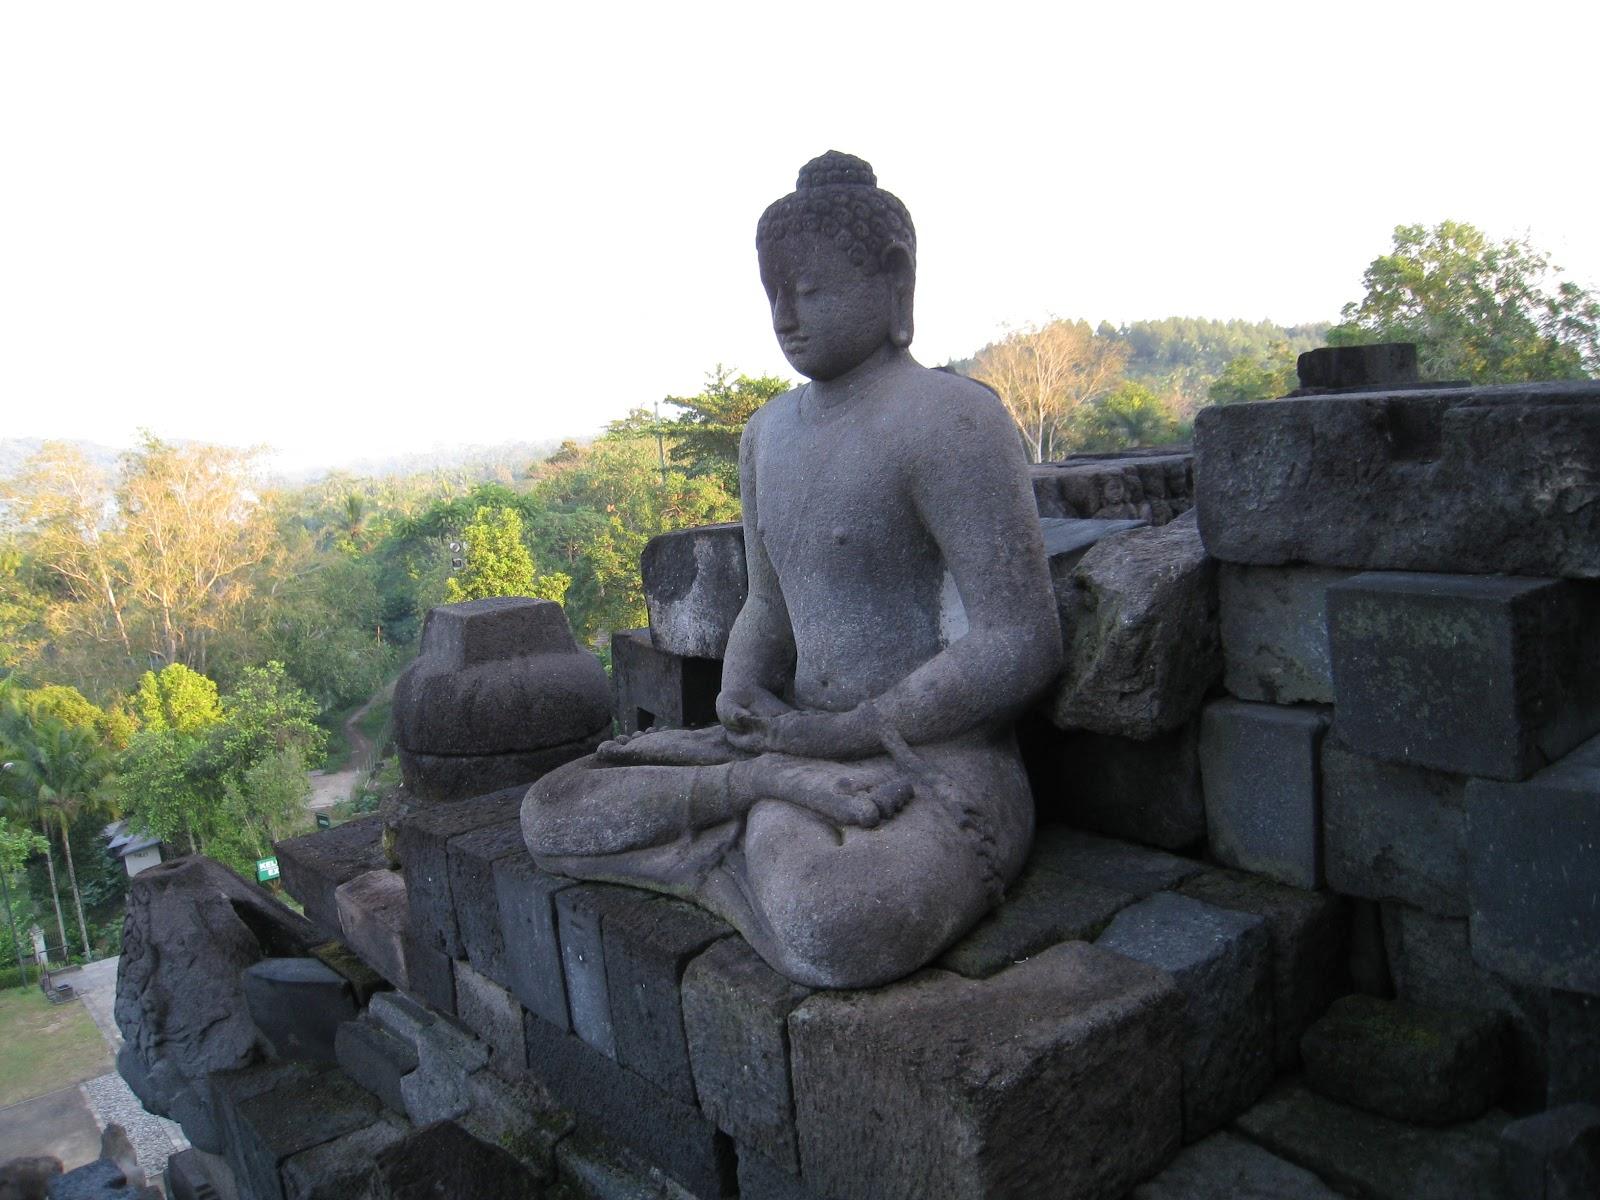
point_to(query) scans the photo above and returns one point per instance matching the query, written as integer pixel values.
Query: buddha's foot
(667, 748)
(858, 794)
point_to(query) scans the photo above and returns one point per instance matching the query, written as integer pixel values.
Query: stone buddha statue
(861, 802)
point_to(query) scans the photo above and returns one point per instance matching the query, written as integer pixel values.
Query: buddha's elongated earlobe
(902, 289)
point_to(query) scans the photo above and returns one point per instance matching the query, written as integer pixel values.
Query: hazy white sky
(350, 229)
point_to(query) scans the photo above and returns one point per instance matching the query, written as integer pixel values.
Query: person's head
(838, 261)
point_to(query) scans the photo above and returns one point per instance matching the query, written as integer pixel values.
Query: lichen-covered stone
(192, 927)
(1487, 676)
(1531, 854)
(934, 1086)
(1142, 645)
(1259, 764)
(1274, 624)
(1221, 960)
(1428, 1065)
(1479, 480)
(1309, 931)
(694, 586)
(735, 1015)
(1394, 832)
(1367, 1155)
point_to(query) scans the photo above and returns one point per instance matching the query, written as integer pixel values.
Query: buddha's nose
(783, 316)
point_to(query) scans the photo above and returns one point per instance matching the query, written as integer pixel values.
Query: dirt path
(327, 790)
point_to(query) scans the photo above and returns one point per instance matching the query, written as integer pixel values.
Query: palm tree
(19, 791)
(71, 769)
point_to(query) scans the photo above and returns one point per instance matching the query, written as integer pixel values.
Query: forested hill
(1194, 347)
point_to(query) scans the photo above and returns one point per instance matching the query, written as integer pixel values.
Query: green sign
(266, 868)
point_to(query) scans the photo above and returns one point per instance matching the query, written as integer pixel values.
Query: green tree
(17, 845)
(705, 438)
(231, 787)
(1479, 310)
(65, 772)
(177, 699)
(1253, 376)
(498, 562)
(1130, 415)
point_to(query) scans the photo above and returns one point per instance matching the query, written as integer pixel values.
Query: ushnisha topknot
(837, 195)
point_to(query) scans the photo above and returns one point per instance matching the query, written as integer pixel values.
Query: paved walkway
(67, 1123)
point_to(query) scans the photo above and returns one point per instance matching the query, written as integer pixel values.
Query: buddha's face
(828, 314)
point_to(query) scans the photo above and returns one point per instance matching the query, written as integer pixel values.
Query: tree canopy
(1478, 310)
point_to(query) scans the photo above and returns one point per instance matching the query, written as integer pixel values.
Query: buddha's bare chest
(832, 501)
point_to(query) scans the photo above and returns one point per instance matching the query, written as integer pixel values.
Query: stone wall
(1311, 910)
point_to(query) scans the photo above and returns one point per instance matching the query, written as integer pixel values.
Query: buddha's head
(838, 260)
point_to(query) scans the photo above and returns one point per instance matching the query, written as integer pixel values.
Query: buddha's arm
(760, 656)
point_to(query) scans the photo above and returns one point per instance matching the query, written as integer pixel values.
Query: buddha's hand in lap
(759, 723)
(668, 748)
(856, 794)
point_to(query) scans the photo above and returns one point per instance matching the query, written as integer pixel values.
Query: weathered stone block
(1358, 366)
(401, 1016)
(526, 900)
(1274, 624)
(430, 974)
(1145, 791)
(498, 676)
(374, 913)
(1430, 960)
(1367, 1155)
(313, 867)
(293, 1117)
(735, 1014)
(647, 948)
(186, 1178)
(1146, 485)
(376, 1059)
(1480, 676)
(492, 1013)
(1531, 852)
(447, 1056)
(1072, 885)
(1259, 767)
(451, 777)
(1309, 933)
(760, 1179)
(422, 843)
(1225, 1167)
(227, 1090)
(471, 858)
(192, 927)
(1140, 619)
(1221, 960)
(1393, 832)
(694, 586)
(341, 1168)
(1479, 480)
(1431, 1066)
(580, 912)
(651, 688)
(1574, 1049)
(298, 1004)
(934, 1086)
(616, 1103)
(445, 1160)
(1553, 1155)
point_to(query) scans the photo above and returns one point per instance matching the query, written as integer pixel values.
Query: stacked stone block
(1415, 570)
(680, 1056)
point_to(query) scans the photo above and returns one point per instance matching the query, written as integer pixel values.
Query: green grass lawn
(46, 1046)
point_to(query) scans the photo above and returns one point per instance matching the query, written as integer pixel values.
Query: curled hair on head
(838, 197)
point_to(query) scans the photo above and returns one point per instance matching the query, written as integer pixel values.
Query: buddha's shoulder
(943, 398)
